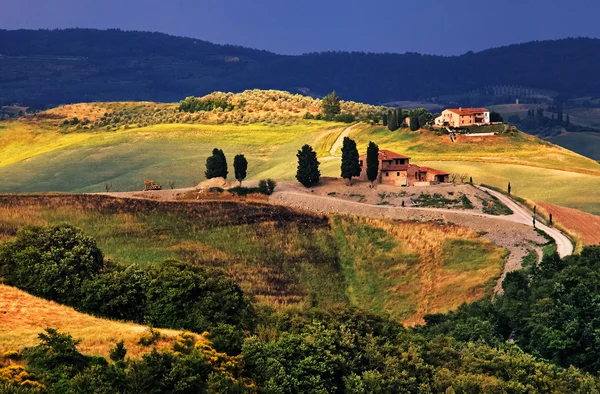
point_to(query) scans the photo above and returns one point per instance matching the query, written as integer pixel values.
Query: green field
(39, 156)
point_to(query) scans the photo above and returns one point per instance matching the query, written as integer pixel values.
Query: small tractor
(150, 185)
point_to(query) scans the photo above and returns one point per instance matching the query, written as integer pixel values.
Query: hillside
(23, 317)
(125, 143)
(283, 257)
(48, 68)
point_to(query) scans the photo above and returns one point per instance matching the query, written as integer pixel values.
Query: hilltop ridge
(52, 67)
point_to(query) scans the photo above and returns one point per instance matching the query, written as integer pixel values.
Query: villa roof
(467, 111)
(387, 155)
(433, 171)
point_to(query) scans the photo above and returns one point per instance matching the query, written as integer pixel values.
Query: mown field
(281, 257)
(38, 156)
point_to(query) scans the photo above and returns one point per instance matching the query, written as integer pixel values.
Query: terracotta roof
(467, 111)
(386, 155)
(434, 171)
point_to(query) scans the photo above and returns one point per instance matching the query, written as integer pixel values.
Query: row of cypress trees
(308, 173)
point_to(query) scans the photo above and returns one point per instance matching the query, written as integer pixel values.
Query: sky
(293, 27)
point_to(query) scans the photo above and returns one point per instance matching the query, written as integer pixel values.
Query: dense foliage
(307, 173)
(75, 65)
(551, 311)
(62, 264)
(331, 105)
(336, 351)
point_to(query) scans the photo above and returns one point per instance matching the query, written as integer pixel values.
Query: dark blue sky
(293, 27)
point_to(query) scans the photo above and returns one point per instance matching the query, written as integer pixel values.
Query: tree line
(308, 173)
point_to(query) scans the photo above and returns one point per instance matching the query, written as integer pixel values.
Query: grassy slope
(45, 160)
(35, 156)
(23, 317)
(394, 268)
(536, 169)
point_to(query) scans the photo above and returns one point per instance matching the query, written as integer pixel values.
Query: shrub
(267, 186)
(51, 262)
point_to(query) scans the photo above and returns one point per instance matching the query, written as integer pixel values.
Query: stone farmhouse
(463, 117)
(395, 169)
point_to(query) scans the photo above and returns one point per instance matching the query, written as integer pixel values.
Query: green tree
(384, 119)
(414, 123)
(392, 122)
(372, 162)
(51, 262)
(118, 352)
(240, 166)
(307, 173)
(495, 117)
(350, 166)
(216, 165)
(331, 105)
(399, 117)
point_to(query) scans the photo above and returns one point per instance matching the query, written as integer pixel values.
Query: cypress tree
(350, 166)
(307, 173)
(392, 120)
(240, 167)
(216, 165)
(399, 117)
(372, 162)
(414, 123)
(384, 119)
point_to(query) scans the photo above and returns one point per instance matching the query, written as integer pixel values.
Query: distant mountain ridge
(51, 67)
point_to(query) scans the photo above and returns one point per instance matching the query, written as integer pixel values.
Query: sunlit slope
(45, 160)
(38, 155)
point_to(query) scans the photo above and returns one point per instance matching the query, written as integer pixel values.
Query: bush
(344, 118)
(194, 298)
(51, 262)
(267, 186)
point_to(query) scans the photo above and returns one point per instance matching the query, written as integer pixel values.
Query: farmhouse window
(397, 174)
(387, 174)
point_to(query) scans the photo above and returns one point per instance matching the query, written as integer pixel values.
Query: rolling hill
(40, 153)
(51, 67)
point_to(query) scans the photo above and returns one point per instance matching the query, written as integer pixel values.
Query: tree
(308, 173)
(216, 165)
(118, 352)
(372, 162)
(496, 117)
(240, 166)
(350, 166)
(414, 123)
(392, 121)
(331, 105)
(399, 117)
(384, 119)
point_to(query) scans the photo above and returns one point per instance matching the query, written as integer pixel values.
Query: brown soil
(585, 225)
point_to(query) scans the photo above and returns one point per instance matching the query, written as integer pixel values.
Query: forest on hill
(50, 67)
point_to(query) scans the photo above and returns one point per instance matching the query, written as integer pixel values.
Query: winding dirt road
(564, 247)
(340, 140)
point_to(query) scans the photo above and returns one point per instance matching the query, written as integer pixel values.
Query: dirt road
(340, 140)
(513, 232)
(564, 247)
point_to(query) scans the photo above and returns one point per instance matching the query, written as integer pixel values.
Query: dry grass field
(23, 317)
